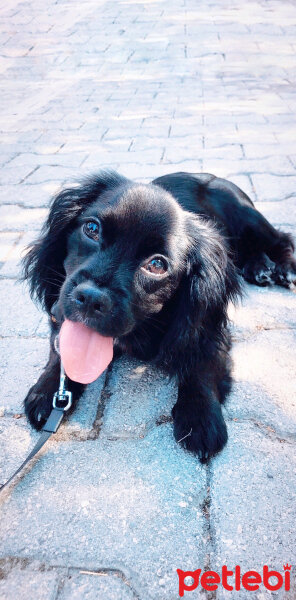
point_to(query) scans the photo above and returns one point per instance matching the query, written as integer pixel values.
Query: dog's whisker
(54, 271)
(51, 282)
(185, 436)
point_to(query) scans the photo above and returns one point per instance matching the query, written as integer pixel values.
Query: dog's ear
(210, 281)
(43, 263)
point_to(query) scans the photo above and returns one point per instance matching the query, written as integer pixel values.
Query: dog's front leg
(38, 402)
(198, 421)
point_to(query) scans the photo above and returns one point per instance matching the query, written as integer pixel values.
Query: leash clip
(62, 395)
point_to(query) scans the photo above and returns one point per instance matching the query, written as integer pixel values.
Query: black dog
(155, 267)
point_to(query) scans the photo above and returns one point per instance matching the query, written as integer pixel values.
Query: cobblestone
(23, 582)
(16, 218)
(93, 586)
(129, 413)
(19, 316)
(110, 511)
(261, 464)
(113, 506)
(260, 393)
(12, 265)
(272, 187)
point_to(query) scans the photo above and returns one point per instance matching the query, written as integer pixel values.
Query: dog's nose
(92, 299)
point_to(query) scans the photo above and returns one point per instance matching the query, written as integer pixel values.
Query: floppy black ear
(210, 281)
(43, 264)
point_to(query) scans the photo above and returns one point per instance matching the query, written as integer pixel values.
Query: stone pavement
(113, 506)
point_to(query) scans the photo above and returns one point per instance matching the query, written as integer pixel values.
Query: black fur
(200, 227)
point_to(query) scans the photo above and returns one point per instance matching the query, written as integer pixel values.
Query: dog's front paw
(203, 433)
(285, 275)
(259, 270)
(38, 406)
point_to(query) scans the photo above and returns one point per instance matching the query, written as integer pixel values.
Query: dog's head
(114, 253)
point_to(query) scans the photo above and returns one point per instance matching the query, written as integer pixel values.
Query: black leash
(62, 401)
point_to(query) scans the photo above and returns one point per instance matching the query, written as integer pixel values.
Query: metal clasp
(62, 395)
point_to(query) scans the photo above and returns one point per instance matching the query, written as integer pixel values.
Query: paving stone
(97, 160)
(216, 136)
(246, 478)
(13, 176)
(27, 195)
(139, 396)
(264, 375)
(7, 244)
(16, 218)
(281, 213)
(245, 184)
(43, 329)
(223, 167)
(72, 160)
(17, 440)
(99, 520)
(19, 316)
(140, 172)
(94, 586)
(273, 187)
(147, 89)
(227, 152)
(275, 165)
(19, 374)
(6, 157)
(49, 173)
(178, 155)
(12, 267)
(85, 421)
(262, 309)
(27, 582)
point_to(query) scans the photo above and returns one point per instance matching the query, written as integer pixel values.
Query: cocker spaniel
(153, 268)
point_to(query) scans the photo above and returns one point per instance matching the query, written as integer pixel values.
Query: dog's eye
(92, 230)
(156, 265)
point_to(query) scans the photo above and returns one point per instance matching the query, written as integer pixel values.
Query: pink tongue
(85, 353)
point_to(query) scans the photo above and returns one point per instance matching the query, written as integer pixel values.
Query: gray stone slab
(17, 440)
(49, 173)
(16, 218)
(14, 176)
(22, 362)
(85, 421)
(7, 243)
(274, 187)
(252, 510)
(131, 89)
(261, 150)
(263, 309)
(43, 329)
(136, 506)
(275, 165)
(226, 151)
(34, 160)
(244, 183)
(19, 580)
(19, 316)
(279, 213)
(92, 586)
(265, 378)
(29, 195)
(140, 395)
(223, 167)
(12, 267)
